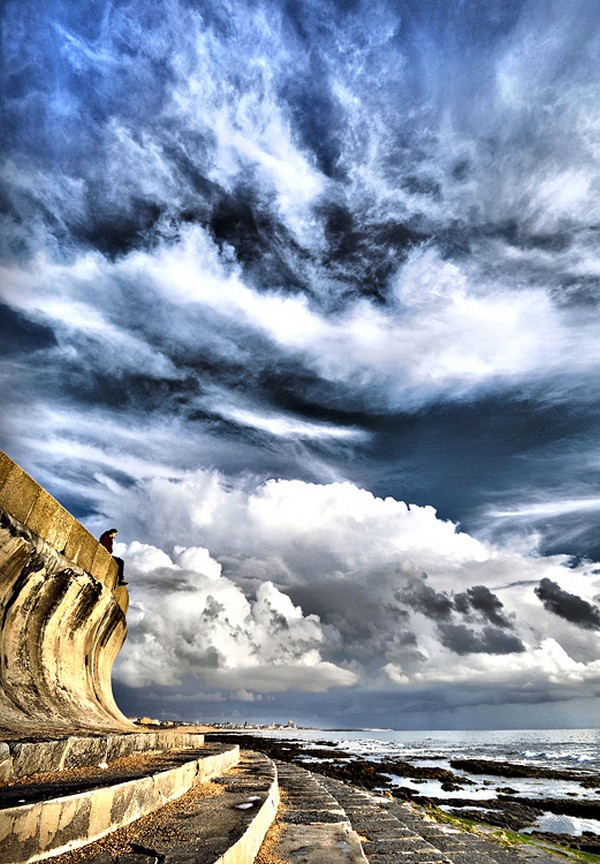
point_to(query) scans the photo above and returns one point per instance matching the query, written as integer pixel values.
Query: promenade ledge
(62, 615)
(29, 504)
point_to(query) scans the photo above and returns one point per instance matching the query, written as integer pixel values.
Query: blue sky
(303, 297)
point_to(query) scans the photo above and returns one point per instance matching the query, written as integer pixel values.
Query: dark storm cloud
(480, 599)
(464, 708)
(477, 601)
(491, 640)
(367, 625)
(423, 598)
(270, 255)
(568, 606)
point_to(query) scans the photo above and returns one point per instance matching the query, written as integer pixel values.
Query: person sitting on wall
(106, 538)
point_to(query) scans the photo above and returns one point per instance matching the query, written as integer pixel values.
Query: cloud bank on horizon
(270, 270)
(310, 587)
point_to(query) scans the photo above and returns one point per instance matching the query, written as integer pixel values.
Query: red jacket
(107, 541)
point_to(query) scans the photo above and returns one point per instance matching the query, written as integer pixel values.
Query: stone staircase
(392, 832)
(170, 798)
(313, 826)
(61, 795)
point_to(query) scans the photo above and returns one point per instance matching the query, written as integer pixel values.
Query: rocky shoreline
(507, 810)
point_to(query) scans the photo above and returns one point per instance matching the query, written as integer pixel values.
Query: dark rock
(580, 809)
(449, 786)
(511, 819)
(588, 842)
(509, 769)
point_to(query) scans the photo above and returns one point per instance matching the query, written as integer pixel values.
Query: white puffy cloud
(188, 621)
(391, 595)
(545, 665)
(338, 524)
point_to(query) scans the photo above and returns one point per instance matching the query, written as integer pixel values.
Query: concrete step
(385, 838)
(222, 822)
(313, 827)
(463, 847)
(45, 814)
(22, 757)
(394, 832)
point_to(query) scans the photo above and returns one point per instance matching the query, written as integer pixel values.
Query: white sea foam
(555, 823)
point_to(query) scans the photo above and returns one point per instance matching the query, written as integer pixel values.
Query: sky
(303, 298)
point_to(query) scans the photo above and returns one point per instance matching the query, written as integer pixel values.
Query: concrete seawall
(62, 617)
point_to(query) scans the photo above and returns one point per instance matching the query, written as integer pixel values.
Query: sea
(572, 750)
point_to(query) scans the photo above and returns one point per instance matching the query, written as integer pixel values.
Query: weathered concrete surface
(315, 844)
(394, 832)
(46, 826)
(20, 759)
(29, 503)
(314, 826)
(225, 825)
(62, 618)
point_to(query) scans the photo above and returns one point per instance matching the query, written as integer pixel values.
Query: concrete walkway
(44, 814)
(314, 828)
(329, 822)
(396, 833)
(221, 822)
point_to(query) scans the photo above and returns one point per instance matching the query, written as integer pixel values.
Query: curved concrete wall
(62, 618)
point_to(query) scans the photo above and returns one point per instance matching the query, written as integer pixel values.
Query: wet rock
(509, 769)
(588, 842)
(511, 818)
(507, 811)
(580, 809)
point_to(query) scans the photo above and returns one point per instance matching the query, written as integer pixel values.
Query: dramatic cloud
(269, 271)
(568, 606)
(187, 620)
(314, 586)
(480, 599)
(491, 640)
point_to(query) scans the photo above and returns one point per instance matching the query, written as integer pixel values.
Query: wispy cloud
(547, 508)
